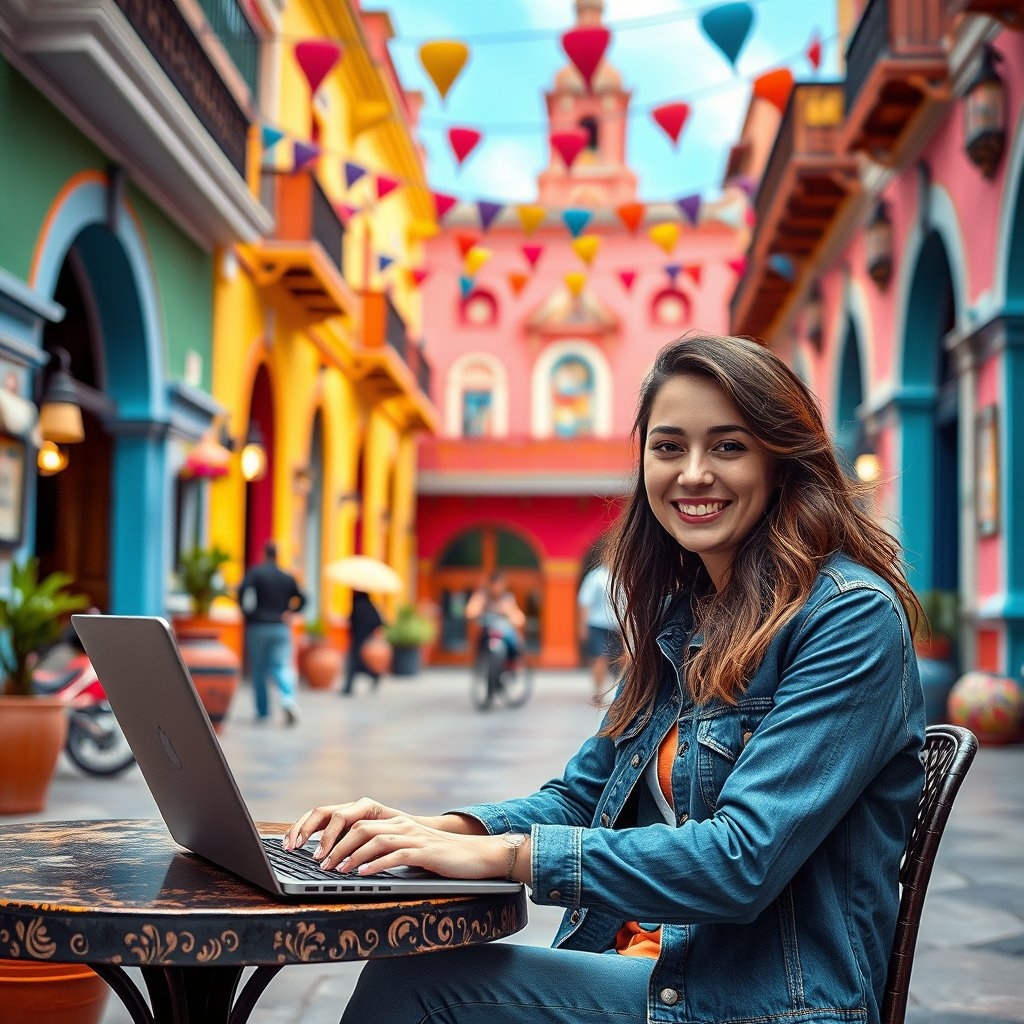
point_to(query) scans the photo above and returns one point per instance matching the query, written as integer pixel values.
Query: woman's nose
(695, 470)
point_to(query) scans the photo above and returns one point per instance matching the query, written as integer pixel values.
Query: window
(571, 391)
(670, 307)
(476, 402)
(476, 413)
(572, 397)
(589, 125)
(479, 309)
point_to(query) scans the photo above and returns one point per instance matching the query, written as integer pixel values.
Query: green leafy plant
(31, 619)
(411, 628)
(199, 576)
(936, 634)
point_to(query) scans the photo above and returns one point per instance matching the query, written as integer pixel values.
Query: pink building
(538, 360)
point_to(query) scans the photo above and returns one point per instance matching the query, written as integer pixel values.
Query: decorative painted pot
(32, 734)
(32, 993)
(214, 667)
(320, 664)
(937, 679)
(991, 706)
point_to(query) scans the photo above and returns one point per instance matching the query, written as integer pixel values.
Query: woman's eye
(665, 446)
(730, 446)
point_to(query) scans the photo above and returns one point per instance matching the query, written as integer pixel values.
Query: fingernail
(286, 842)
(341, 865)
(318, 852)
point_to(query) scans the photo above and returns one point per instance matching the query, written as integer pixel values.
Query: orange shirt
(631, 939)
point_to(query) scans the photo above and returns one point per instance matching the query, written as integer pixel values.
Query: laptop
(152, 696)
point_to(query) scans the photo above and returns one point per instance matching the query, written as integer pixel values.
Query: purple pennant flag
(672, 269)
(488, 212)
(690, 207)
(303, 155)
(353, 172)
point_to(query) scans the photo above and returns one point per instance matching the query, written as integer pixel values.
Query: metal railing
(170, 39)
(327, 227)
(395, 333)
(236, 35)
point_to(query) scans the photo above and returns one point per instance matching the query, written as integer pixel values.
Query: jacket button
(605, 820)
(746, 737)
(669, 996)
(684, 747)
(636, 761)
(683, 819)
(574, 917)
(554, 895)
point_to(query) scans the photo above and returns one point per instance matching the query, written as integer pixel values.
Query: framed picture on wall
(986, 484)
(12, 490)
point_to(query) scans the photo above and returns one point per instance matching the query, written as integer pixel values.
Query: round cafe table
(117, 894)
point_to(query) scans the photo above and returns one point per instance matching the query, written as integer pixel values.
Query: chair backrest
(948, 753)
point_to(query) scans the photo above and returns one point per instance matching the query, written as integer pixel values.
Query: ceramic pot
(215, 668)
(33, 993)
(32, 734)
(321, 665)
(991, 706)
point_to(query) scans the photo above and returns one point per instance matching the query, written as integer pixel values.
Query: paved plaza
(418, 744)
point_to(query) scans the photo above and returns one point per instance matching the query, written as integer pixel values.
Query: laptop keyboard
(300, 864)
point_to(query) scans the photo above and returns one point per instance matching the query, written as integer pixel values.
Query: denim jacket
(776, 888)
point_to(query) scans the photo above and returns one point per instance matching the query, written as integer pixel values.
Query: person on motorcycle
(495, 601)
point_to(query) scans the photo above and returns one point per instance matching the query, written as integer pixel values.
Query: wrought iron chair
(948, 753)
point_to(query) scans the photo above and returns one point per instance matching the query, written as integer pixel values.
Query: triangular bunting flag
(689, 206)
(475, 259)
(627, 277)
(383, 262)
(304, 154)
(516, 280)
(672, 269)
(693, 271)
(353, 172)
(531, 217)
(586, 247)
(532, 254)
(269, 137)
(576, 221)
(575, 282)
(417, 275)
(665, 235)
(465, 240)
(346, 211)
(442, 203)
(631, 214)
(739, 265)
(488, 212)
(465, 285)
(386, 185)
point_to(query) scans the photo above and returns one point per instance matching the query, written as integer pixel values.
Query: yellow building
(314, 343)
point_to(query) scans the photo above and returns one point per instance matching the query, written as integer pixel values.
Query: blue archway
(850, 394)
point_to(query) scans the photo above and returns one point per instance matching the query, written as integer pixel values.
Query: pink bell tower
(599, 175)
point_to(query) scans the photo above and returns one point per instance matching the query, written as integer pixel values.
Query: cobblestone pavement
(417, 744)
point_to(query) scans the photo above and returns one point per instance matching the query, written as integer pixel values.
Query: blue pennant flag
(672, 269)
(576, 221)
(465, 285)
(269, 137)
(383, 262)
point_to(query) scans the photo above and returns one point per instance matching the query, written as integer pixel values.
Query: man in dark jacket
(267, 595)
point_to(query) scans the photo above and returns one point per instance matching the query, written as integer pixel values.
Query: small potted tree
(408, 634)
(214, 667)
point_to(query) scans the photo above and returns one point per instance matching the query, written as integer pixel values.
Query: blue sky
(657, 45)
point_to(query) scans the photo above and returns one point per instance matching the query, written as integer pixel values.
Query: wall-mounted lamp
(254, 455)
(985, 115)
(51, 459)
(60, 416)
(878, 243)
(209, 458)
(866, 463)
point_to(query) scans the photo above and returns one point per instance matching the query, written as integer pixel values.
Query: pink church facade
(538, 358)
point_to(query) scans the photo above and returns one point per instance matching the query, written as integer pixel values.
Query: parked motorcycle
(95, 742)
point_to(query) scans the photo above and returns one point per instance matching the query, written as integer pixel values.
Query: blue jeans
(503, 983)
(268, 646)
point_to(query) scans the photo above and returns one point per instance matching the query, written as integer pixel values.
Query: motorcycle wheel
(481, 685)
(516, 684)
(96, 744)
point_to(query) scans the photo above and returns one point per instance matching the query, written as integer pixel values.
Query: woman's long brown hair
(815, 514)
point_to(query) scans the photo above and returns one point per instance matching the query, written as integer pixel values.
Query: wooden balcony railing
(170, 39)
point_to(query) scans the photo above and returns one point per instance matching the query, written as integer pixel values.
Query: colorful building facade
(538, 361)
(895, 201)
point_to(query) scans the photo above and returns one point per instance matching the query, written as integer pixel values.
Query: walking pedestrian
(599, 627)
(727, 847)
(364, 622)
(268, 596)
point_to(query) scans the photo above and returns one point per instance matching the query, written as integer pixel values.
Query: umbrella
(360, 572)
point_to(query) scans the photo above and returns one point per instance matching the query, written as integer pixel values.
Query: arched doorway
(929, 426)
(259, 494)
(464, 564)
(850, 396)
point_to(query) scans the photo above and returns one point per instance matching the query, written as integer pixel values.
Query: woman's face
(708, 480)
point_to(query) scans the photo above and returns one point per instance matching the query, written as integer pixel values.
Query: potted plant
(32, 728)
(410, 631)
(320, 661)
(214, 667)
(935, 644)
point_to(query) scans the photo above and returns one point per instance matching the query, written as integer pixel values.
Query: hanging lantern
(866, 463)
(51, 459)
(254, 455)
(878, 239)
(209, 458)
(985, 115)
(60, 416)
(813, 315)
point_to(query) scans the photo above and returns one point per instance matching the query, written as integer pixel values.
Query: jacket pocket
(721, 737)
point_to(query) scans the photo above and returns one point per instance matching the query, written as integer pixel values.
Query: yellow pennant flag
(531, 217)
(586, 247)
(665, 235)
(475, 259)
(419, 230)
(368, 114)
(575, 282)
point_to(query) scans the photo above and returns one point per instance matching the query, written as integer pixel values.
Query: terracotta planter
(320, 665)
(32, 734)
(215, 669)
(51, 993)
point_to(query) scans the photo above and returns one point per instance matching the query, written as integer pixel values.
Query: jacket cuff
(491, 816)
(556, 864)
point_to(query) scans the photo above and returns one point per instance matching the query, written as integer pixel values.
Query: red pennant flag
(569, 144)
(693, 271)
(316, 57)
(418, 275)
(814, 50)
(442, 203)
(585, 47)
(532, 254)
(631, 214)
(739, 266)
(627, 277)
(465, 240)
(386, 185)
(516, 280)
(346, 211)
(463, 141)
(670, 118)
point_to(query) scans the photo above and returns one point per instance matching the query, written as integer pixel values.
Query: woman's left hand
(376, 845)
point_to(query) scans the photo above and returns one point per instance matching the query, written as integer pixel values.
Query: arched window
(479, 309)
(589, 125)
(572, 391)
(572, 397)
(670, 308)
(477, 402)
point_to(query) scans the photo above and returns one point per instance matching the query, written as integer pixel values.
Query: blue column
(140, 519)
(915, 405)
(1012, 488)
